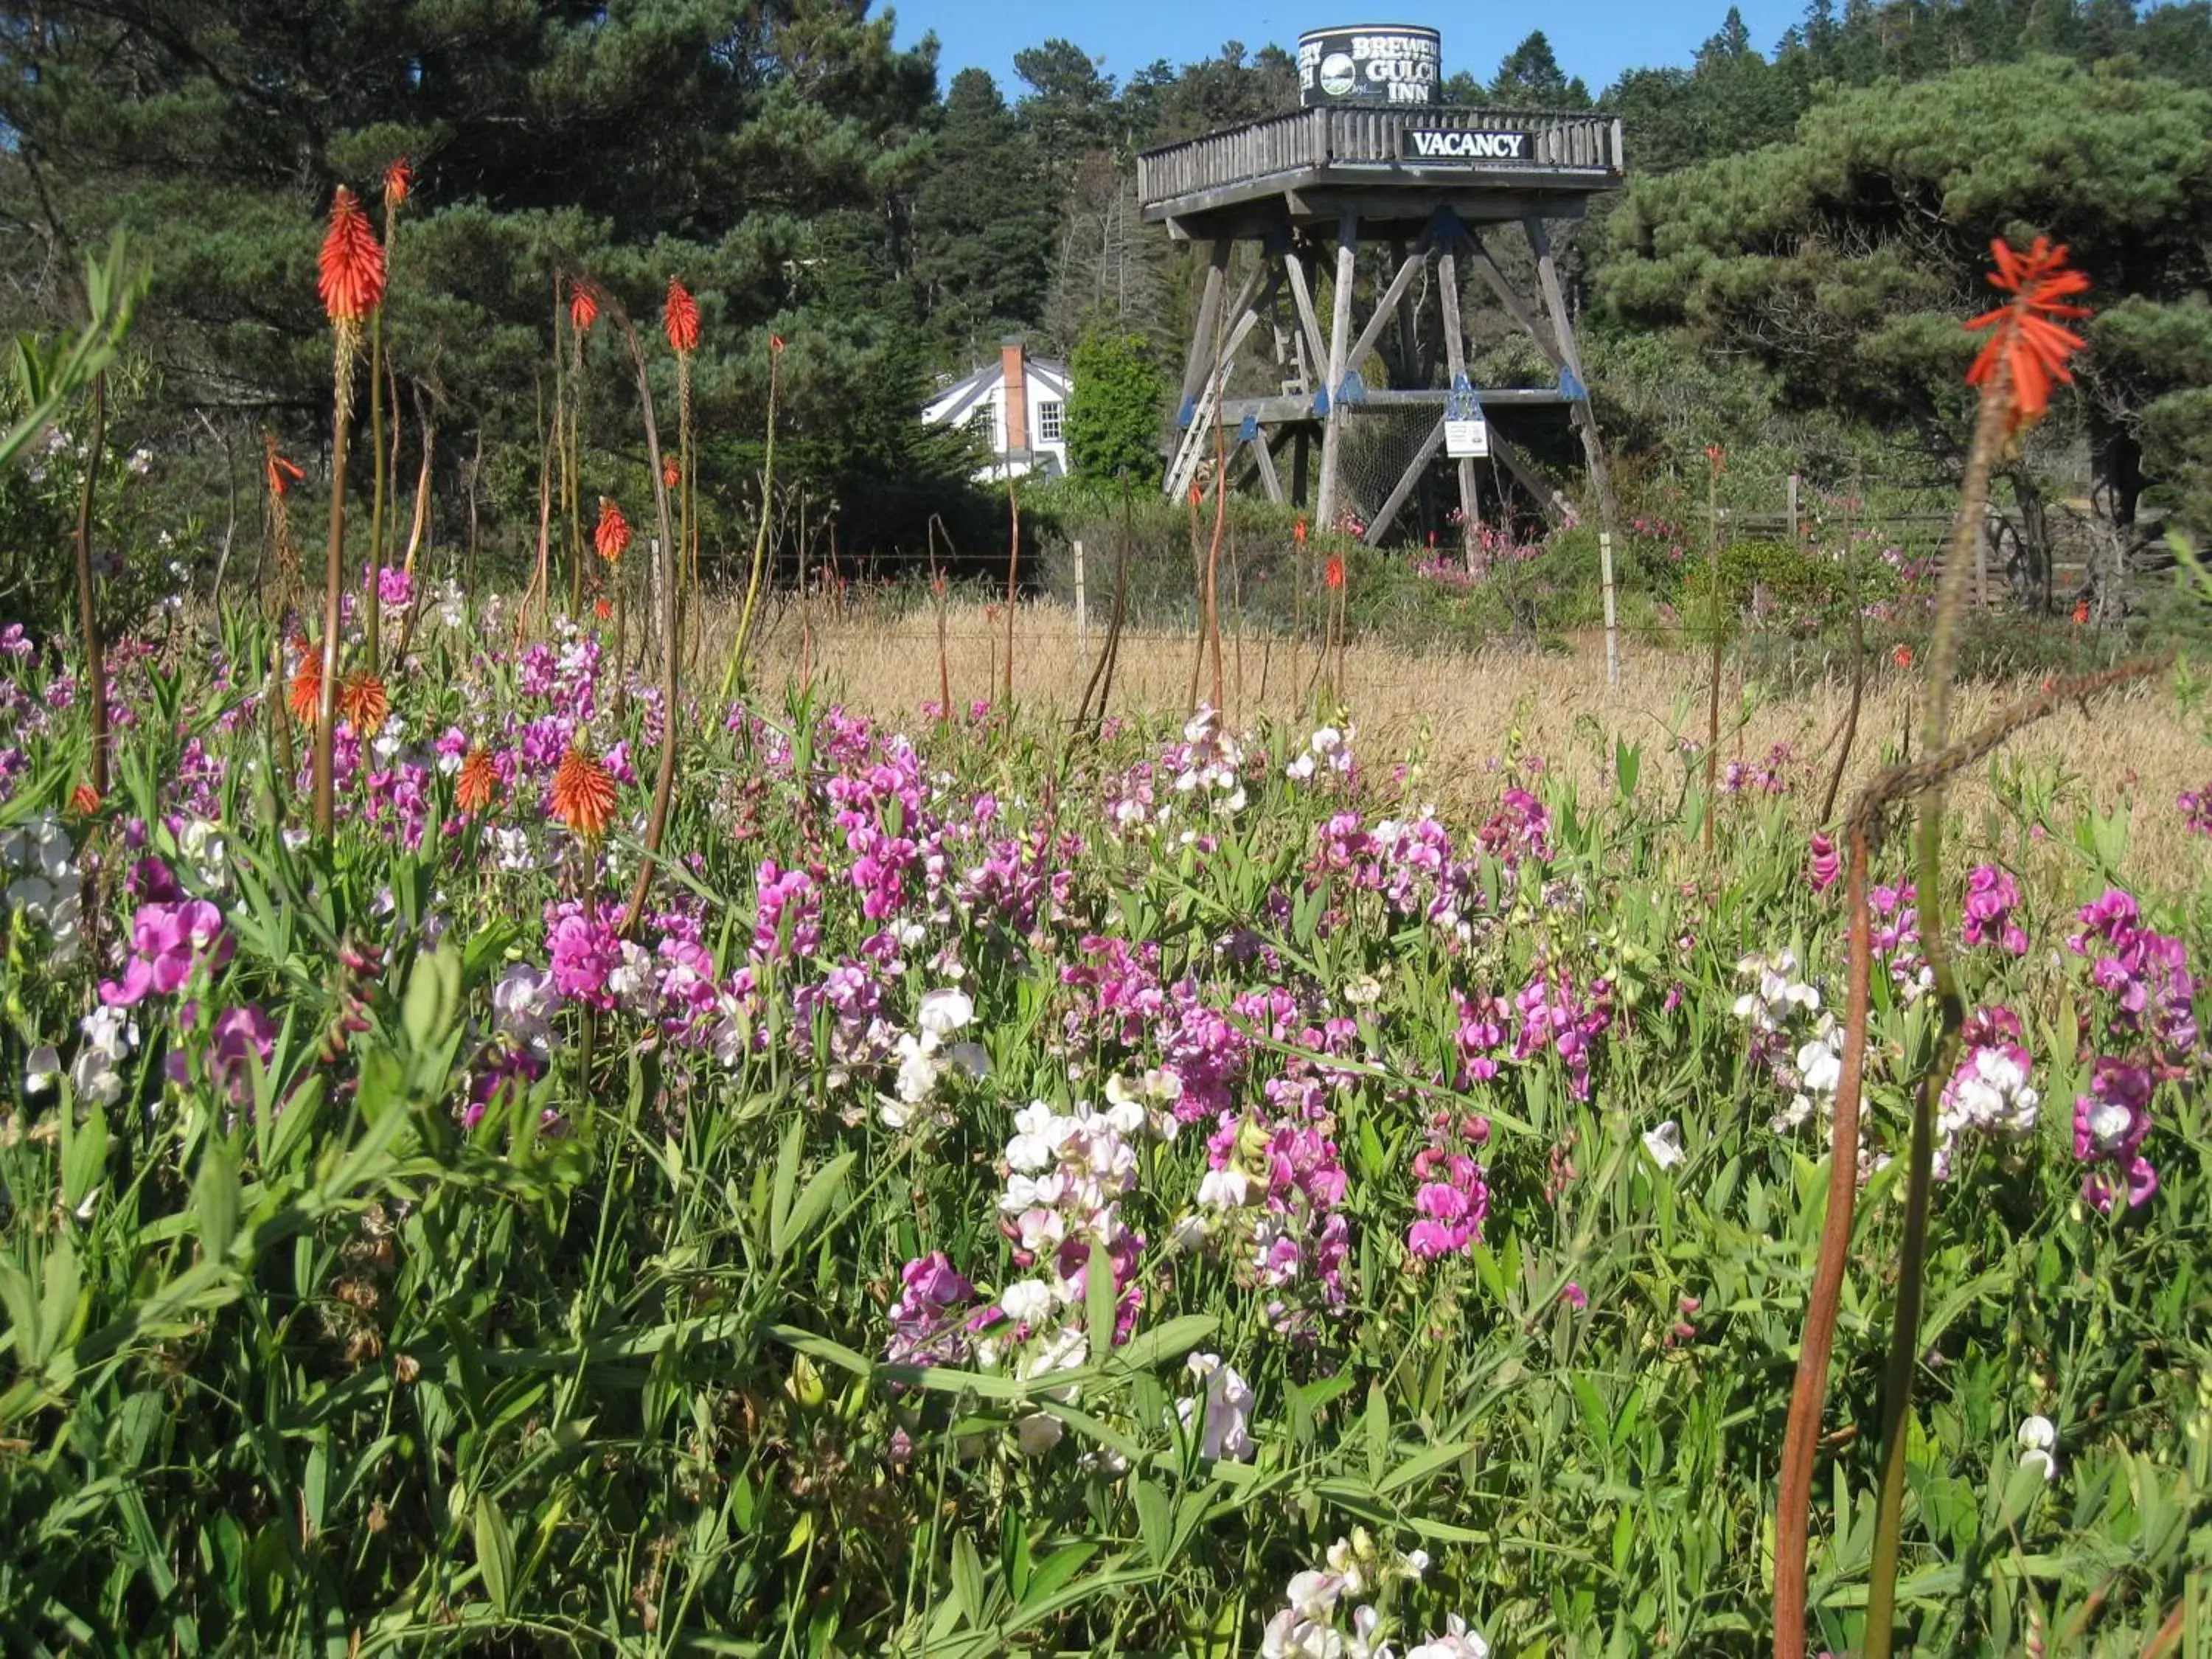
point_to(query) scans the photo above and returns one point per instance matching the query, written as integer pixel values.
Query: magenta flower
(583, 956)
(1826, 866)
(1993, 896)
(167, 943)
(242, 1036)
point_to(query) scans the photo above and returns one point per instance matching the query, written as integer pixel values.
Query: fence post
(1797, 530)
(1082, 616)
(1612, 617)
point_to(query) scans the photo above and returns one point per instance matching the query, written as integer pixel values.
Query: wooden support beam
(1406, 481)
(1456, 370)
(1384, 307)
(1191, 452)
(1208, 321)
(1301, 447)
(1516, 306)
(1548, 275)
(1284, 406)
(1271, 486)
(1555, 507)
(1294, 267)
(1340, 338)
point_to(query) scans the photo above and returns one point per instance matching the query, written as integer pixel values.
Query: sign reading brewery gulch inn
(1369, 64)
(1434, 144)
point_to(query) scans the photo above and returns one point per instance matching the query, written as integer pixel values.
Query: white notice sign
(1468, 437)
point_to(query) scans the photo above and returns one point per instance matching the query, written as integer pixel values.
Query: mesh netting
(1379, 443)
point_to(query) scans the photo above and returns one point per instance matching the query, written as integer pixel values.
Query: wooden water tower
(1371, 160)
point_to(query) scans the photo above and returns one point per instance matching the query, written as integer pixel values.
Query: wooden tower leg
(1205, 412)
(1547, 274)
(1413, 371)
(1339, 339)
(1455, 366)
(1202, 346)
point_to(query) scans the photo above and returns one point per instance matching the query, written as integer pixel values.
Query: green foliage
(307, 1354)
(1112, 417)
(1844, 260)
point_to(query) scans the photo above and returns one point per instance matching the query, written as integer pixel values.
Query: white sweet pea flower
(1224, 1189)
(1314, 1595)
(1820, 1065)
(970, 1060)
(1039, 1134)
(1665, 1144)
(943, 1012)
(918, 1069)
(1038, 1433)
(1457, 1642)
(1027, 1301)
(1290, 1636)
(2036, 1436)
(1225, 1429)
(42, 1069)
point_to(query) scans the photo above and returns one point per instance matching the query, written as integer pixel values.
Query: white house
(1016, 407)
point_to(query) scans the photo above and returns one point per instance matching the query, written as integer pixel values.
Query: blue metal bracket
(1352, 389)
(1249, 428)
(1320, 402)
(1187, 414)
(1461, 404)
(1571, 387)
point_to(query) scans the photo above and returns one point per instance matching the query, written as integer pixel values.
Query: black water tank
(1370, 64)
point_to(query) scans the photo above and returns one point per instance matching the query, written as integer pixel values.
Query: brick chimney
(1014, 367)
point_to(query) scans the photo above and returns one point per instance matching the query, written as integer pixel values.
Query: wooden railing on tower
(1576, 149)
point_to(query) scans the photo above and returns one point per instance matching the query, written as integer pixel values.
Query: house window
(1049, 421)
(983, 425)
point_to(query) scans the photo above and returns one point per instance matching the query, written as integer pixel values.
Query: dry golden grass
(1457, 713)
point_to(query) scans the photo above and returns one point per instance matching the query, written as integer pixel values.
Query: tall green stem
(373, 626)
(87, 609)
(1990, 428)
(760, 545)
(326, 711)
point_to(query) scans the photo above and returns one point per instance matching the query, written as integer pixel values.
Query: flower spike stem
(1896, 787)
(1990, 424)
(1013, 574)
(1713, 609)
(736, 668)
(87, 608)
(372, 593)
(326, 713)
(1793, 1513)
(664, 788)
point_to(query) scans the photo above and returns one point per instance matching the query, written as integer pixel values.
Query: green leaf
(215, 1199)
(1171, 1341)
(787, 1235)
(967, 1579)
(1378, 1430)
(495, 1553)
(1055, 1570)
(1155, 1521)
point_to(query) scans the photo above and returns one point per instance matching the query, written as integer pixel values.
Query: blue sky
(1594, 39)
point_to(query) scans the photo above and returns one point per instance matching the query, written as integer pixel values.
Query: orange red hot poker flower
(681, 319)
(583, 794)
(612, 538)
(363, 702)
(583, 308)
(2027, 349)
(351, 270)
(473, 793)
(398, 181)
(306, 697)
(282, 474)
